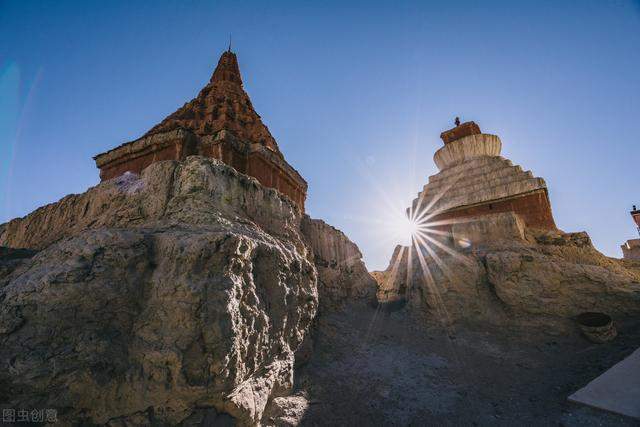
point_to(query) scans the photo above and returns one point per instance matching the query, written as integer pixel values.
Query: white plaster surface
(467, 148)
(477, 180)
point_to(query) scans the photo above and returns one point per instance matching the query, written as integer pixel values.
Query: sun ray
(395, 267)
(450, 221)
(449, 274)
(449, 250)
(428, 229)
(431, 286)
(409, 270)
(434, 200)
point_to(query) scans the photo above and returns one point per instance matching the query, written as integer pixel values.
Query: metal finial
(457, 121)
(229, 50)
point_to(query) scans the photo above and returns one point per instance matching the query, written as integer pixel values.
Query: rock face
(562, 274)
(174, 296)
(342, 276)
(195, 191)
(542, 273)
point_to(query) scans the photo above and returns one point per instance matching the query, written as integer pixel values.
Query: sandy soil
(374, 367)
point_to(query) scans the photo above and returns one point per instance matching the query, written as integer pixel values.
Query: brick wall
(534, 209)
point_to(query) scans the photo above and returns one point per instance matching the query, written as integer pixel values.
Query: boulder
(174, 296)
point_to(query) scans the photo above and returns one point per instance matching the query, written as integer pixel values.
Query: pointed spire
(221, 104)
(227, 69)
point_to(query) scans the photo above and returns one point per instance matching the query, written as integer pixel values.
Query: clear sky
(355, 93)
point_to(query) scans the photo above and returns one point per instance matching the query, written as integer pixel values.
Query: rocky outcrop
(342, 275)
(174, 296)
(564, 275)
(196, 191)
(536, 273)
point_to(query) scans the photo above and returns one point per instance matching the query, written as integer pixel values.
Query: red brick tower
(220, 123)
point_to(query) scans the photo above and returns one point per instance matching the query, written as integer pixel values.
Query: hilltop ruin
(219, 123)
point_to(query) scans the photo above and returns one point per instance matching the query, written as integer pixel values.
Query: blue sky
(355, 93)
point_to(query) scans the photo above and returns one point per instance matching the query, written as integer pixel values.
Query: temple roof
(221, 104)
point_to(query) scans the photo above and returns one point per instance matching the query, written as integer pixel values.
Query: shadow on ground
(383, 367)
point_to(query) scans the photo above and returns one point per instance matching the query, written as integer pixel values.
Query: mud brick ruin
(474, 180)
(220, 123)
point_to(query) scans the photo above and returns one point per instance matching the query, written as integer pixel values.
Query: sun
(406, 229)
(411, 227)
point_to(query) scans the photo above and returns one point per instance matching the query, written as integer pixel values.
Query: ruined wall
(219, 123)
(270, 175)
(268, 168)
(631, 249)
(138, 163)
(533, 208)
(137, 155)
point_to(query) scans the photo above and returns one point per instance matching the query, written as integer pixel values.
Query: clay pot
(597, 327)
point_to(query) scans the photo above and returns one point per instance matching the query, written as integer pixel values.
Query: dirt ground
(376, 367)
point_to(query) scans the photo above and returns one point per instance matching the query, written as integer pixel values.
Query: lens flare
(407, 228)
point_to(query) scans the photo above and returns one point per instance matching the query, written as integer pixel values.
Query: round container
(597, 327)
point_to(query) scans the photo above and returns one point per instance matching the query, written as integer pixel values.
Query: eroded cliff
(179, 296)
(155, 298)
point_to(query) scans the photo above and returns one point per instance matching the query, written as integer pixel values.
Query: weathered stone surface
(174, 296)
(467, 148)
(563, 279)
(631, 249)
(11, 259)
(197, 190)
(492, 227)
(342, 275)
(552, 273)
(392, 282)
(287, 411)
